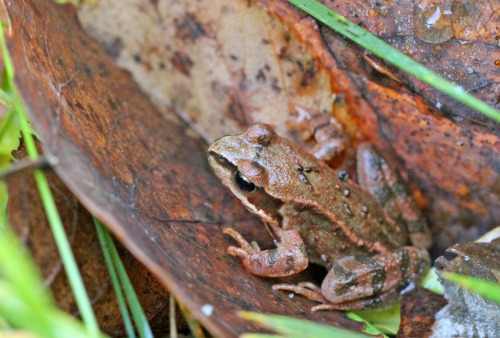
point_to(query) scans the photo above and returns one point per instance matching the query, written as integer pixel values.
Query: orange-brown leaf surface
(225, 64)
(27, 218)
(143, 172)
(418, 308)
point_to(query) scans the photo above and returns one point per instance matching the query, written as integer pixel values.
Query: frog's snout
(215, 147)
(230, 147)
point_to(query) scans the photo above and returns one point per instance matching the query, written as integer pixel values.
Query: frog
(369, 235)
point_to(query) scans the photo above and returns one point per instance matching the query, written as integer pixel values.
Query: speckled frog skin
(371, 237)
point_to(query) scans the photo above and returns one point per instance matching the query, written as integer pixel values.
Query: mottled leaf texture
(232, 63)
(27, 218)
(418, 307)
(142, 172)
(450, 151)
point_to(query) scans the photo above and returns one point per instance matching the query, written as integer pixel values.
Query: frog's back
(331, 212)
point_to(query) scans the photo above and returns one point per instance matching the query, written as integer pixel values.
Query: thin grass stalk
(140, 320)
(105, 245)
(193, 324)
(173, 324)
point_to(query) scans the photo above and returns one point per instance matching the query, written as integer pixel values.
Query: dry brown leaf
(143, 173)
(418, 307)
(225, 64)
(222, 65)
(453, 160)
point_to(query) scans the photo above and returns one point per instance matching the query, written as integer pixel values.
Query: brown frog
(359, 233)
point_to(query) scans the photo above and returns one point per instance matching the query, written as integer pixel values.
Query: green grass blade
(4, 198)
(7, 62)
(193, 324)
(5, 126)
(485, 288)
(5, 99)
(9, 140)
(55, 222)
(10, 134)
(67, 257)
(293, 327)
(392, 55)
(4, 325)
(19, 270)
(431, 282)
(379, 321)
(24, 300)
(12, 305)
(50, 323)
(135, 306)
(260, 335)
(114, 278)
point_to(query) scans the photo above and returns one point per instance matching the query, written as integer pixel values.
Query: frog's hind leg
(384, 298)
(313, 292)
(355, 278)
(391, 190)
(364, 282)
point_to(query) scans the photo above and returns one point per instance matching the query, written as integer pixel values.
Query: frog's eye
(244, 183)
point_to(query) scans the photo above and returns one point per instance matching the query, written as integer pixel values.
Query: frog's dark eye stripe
(244, 183)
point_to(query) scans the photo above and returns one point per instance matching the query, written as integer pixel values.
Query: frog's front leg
(288, 258)
(357, 278)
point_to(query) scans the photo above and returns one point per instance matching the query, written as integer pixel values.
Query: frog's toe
(245, 246)
(310, 286)
(349, 306)
(245, 250)
(357, 305)
(235, 251)
(303, 289)
(324, 307)
(255, 245)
